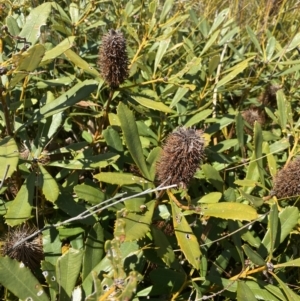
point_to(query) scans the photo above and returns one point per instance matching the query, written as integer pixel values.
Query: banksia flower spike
(286, 182)
(181, 156)
(113, 59)
(30, 253)
(254, 114)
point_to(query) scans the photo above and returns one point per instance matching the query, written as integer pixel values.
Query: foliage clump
(181, 156)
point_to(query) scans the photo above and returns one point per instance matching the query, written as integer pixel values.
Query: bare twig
(92, 210)
(215, 94)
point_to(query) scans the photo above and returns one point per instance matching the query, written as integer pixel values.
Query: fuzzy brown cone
(113, 59)
(254, 114)
(286, 182)
(182, 154)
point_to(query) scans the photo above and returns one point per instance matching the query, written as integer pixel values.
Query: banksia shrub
(30, 252)
(113, 59)
(286, 182)
(181, 156)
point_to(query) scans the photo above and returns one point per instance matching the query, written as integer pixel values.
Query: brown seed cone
(30, 252)
(286, 182)
(251, 115)
(181, 156)
(113, 59)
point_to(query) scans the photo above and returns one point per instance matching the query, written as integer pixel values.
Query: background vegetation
(65, 161)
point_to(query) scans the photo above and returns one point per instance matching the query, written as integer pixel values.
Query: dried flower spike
(254, 114)
(30, 252)
(182, 153)
(113, 59)
(286, 182)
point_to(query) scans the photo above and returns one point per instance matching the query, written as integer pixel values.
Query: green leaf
(68, 99)
(240, 133)
(93, 251)
(270, 159)
(132, 139)
(97, 286)
(28, 62)
(253, 38)
(234, 227)
(195, 61)
(279, 146)
(89, 193)
(9, 157)
(67, 204)
(250, 183)
(288, 292)
(119, 178)
(291, 263)
(258, 140)
(67, 271)
(168, 5)
(244, 292)
(254, 256)
(58, 49)
(273, 227)
(55, 124)
(113, 140)
(48, 184)
(37, 18)
(137, 224)
(213, 64)
(175, 281)
(164, 249)
(288, 219)
(152, 104)
(19, 280)
(254, 200)
(271, 45)
(212, 197)
(198, 117)
(162, 48)
(252, 173)
(282, 109)
(12, 25)
(290, 46)
(265, 291)
(181, 91)
(224, 145)
(74, 12)
(218, 20)
(235, 71)
(49, 273)
(51, 245)
(151, 161)
(212, 175)
(229, 210)
(212, 39)
(80, 63)
(185, 237)
(88, 163)
(19, 209)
